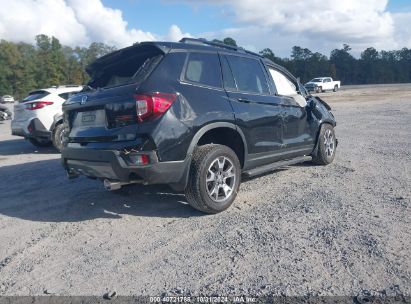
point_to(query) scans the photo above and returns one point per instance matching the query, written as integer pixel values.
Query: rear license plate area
(88, 117)
(96, 118)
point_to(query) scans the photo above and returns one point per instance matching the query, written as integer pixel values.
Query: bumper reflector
(138, 159)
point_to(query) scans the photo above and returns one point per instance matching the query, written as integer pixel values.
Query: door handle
(244, 100)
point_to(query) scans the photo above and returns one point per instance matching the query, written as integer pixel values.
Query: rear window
(203, 68)
(35, 95)
(129, 68)
(248, 75)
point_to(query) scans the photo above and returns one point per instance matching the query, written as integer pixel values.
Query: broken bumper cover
(111, 164)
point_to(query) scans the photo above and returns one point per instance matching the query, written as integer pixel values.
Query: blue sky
(157, 16)
(399, 6)
(320, 25)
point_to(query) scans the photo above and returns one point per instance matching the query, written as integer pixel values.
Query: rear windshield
(35, 95)
(130, 68)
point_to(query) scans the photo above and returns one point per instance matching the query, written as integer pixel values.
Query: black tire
(57, 137)
(197, 192)
(335, 88)
(319, 90)
(324, 155)
(40, 142)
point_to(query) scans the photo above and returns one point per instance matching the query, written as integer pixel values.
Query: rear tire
(40, 142)
(57, 137)
(335, 88)
(214, 180)
(326, 146)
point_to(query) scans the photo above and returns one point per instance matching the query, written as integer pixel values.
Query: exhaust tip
(111, 185)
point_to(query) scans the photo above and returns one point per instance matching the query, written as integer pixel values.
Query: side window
(228, 78)
(283, 84)
(67, 95)
(248, 74)
(204, 69)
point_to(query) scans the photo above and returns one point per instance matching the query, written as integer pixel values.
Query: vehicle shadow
(22, 146)
(40, 191)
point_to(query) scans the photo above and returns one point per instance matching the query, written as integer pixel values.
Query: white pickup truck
(322, 84)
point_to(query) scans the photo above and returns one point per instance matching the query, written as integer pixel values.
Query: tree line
(24, 67)
(372, 67)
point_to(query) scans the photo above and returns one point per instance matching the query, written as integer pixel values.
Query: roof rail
(202, 41)
(206, 42)
(68, 85)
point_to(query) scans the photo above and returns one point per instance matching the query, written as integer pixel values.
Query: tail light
(37, 105)
(153, 105)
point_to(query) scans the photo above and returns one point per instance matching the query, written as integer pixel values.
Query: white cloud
(73, 22)
(175, 34)
(22, 20)
(105, 24)
(318, 24)
(402, 23)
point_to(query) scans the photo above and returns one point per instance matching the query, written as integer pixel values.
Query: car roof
(192, 44)
(185, 44)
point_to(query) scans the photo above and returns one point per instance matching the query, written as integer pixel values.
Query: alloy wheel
(329, 143)
(220, 179)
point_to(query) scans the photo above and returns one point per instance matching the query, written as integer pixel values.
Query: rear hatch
(21, 111)
(106, 109)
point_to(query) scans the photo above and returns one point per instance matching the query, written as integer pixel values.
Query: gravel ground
(343, 229)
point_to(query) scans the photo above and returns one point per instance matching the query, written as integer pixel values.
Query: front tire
(319, 90)
(215, 177)
(326, 146)
(57, 137)
(40, 142)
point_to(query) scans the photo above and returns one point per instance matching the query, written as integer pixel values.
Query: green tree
(345, 64)
(230, 41)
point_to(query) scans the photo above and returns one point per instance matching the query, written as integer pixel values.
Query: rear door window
(248, 74)
(204, 69)
(35, 95)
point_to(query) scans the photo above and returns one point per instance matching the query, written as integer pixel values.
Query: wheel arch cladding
(226, 134)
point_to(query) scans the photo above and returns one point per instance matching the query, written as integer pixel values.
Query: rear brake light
(153, 105)
(37, 105)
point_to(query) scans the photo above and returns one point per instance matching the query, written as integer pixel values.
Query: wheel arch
(216, 127)
(200, 134)
(58, 119)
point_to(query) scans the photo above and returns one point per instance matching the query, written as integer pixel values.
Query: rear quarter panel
(195, 107)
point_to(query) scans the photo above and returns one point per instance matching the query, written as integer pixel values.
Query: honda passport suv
(196, 115)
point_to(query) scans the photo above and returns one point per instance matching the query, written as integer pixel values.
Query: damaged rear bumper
(113, 165)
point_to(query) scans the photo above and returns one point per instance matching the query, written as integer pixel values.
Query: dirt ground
(343, 229)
